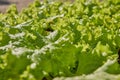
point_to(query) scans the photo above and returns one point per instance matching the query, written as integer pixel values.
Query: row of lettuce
(54, 39)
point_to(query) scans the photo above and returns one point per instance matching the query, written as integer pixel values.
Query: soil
(4, 4)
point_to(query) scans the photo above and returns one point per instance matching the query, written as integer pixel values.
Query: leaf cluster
(51, 39)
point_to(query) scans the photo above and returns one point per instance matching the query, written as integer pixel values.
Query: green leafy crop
(61, 40)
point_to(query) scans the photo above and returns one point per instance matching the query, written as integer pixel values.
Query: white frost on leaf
(33, 65)
(17, 35)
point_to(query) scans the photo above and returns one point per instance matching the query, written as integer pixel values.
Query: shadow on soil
(4, 2)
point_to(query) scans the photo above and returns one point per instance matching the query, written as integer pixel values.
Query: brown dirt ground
(4, 4)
